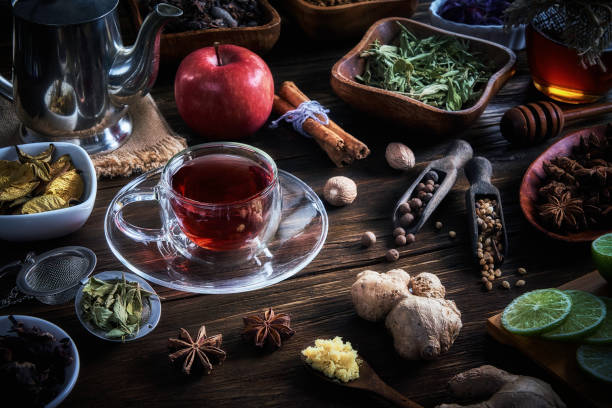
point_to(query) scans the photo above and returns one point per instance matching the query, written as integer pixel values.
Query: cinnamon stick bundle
(341, 147)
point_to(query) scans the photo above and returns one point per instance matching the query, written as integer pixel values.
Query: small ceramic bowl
(56, 223)
(346, 20)
(176, 46)
(513, 38)
(534, 176)
(150, 315)
(72, 371)
(422, 119)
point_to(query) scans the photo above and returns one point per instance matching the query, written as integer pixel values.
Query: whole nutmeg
(368, 239)
(340, 191)
(399, 156)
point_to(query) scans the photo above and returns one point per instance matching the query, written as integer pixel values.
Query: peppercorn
(399, 231)
(392, 255)
(410, 238)
(368, 239)
(415, 203)
(406, 219)
(431, 175)
(400, 240)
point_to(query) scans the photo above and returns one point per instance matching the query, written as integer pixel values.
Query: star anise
(270, 327)
(563, 211)
(199, 352)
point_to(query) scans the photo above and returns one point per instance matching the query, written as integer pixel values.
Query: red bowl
(534, 176)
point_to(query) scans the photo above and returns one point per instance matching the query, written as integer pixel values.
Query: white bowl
(56, 223)
(72, 371)
(514, 38)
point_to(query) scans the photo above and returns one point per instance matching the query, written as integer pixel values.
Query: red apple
(224, 92)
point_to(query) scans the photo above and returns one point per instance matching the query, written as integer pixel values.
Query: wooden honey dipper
(537, 121)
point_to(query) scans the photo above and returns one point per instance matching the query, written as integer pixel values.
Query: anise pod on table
(196, 355)
(269, 328)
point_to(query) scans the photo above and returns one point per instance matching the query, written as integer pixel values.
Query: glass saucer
(300, 236)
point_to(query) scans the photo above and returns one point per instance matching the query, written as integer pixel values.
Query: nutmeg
(399, 156)
(340, 191)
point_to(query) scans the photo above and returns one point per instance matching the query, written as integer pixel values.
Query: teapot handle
(6, 88)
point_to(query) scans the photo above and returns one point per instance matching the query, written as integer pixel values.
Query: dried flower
(268, 328)
(563, 211)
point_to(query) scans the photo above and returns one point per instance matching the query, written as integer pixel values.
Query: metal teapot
(73, 79)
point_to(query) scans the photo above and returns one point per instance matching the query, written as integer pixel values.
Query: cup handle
(136, 232)
(6, 88)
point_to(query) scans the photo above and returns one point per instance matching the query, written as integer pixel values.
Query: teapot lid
(62, 12)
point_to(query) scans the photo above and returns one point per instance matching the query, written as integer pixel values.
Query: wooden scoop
(369, 381)
(478, 171)
(457, 154)
(537, 121)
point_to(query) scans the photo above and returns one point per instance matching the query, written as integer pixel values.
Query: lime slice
(588, 311)
(603, 333)
(536, 311)
(596, 360)
(601, 249)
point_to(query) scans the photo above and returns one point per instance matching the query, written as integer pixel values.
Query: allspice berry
(399, 231)
(399, 156)
(415, 204)
(368, 239)
(340, 191)
(392, 255)
(406, 219)
(410, 238)
(400, 240)
(404, 208)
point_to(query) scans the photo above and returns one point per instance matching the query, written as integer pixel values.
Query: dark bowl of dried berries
(252, 24)
(39, 364)
(565, 192)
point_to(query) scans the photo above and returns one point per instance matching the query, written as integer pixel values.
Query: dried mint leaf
(44, 156)
(43, 203)
(68, 185)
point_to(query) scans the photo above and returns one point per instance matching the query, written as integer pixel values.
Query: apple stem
(219, 60)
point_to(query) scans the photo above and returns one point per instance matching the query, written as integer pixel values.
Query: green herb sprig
(439, 71)
(115, 306)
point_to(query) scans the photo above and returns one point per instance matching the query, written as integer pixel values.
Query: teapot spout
(135, 68)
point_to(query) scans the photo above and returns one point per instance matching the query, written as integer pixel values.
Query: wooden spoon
(369, 381)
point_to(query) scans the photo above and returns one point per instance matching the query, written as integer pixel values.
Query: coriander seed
(489, 285)
(506, 284)
(452, 234)
(522, 271)
(438, 225)
(520, 283)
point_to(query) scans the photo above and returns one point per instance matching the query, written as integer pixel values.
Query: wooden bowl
(344, 21)
(392, 106)
(534, 176)
(176, 46)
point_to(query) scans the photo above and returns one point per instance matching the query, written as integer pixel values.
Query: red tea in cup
(224, 201)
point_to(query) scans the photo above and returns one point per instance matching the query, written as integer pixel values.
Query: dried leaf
(68, 185)
(43, 203)
(15, 191)
(44, 156)
(40, 169)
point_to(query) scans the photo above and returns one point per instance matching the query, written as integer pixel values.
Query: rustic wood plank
(318, 299)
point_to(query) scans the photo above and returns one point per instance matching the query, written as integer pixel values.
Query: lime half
(588, 311)
(601, 250)
(596, 360)
(536, 311)
(603, 333)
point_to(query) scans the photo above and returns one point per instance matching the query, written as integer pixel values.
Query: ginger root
(423, 324)
(423, 328)
(503, 390)
(374, 294)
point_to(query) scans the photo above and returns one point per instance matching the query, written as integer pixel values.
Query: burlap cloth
(150, 146)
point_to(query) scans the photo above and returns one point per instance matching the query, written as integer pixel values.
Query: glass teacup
(217, 199)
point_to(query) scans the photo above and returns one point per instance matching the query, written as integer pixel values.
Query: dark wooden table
(318, 299)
